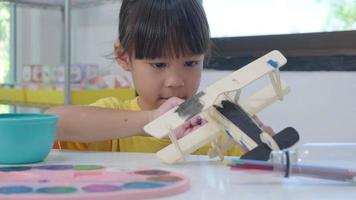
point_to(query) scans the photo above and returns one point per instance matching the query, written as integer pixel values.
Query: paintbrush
(290, 170)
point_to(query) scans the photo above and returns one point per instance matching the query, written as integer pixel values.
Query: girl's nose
(174, 81)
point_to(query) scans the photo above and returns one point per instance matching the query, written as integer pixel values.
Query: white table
(211, 179)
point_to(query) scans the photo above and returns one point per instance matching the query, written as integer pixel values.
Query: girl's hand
(189, 126)
(185, 128)
(165, 107)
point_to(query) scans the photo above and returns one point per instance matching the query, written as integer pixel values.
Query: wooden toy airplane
(224, 113)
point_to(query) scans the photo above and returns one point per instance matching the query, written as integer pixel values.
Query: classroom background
(317, 37)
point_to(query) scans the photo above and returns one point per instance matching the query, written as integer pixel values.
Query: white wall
(321, 105)
(94, 31)
(40, 35)
(39, 40)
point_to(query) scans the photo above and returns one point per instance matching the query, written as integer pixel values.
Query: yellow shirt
(145, 144)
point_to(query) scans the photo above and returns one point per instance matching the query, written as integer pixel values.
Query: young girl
(163, 43)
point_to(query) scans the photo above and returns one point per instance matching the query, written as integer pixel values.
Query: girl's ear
(121, 57)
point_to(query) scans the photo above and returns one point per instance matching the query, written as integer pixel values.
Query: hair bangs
(168, 29)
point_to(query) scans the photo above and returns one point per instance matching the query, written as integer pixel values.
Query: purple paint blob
(199, 121)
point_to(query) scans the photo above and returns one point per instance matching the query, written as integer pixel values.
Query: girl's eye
(191, 63)
(158, 65)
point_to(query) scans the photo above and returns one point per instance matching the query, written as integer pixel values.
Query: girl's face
(159, 79)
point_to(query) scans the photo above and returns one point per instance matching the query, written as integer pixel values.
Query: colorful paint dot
(87, 167)
(14, 168)
(15, 190)
(142, 185)
(101, 188)
(273, 63)
(54, 167)
(152, 172)
(56, 190)
(165, 178)
(199, 121)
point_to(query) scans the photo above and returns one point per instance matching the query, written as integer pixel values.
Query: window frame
(305, 51)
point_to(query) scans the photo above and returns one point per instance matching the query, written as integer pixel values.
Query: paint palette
(87, 182)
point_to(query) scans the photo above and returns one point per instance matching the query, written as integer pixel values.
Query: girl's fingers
(193, 129)
(165, 107)
(187, 131)
(197, 125)
(174, 101)
(171, 103)
(268, 130)
(189, 126)
(196, 121)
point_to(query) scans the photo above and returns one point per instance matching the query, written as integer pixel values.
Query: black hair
(151, 29)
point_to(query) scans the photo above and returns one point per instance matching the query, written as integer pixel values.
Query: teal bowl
(26, 138)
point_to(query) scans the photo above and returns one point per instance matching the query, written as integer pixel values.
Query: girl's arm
(89, 124)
